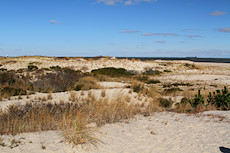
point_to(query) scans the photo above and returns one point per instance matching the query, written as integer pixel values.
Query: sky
(124, 28)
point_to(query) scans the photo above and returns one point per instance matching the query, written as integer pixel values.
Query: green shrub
(153, 81)
(113, 72)
(152, 72)
(2, 69)
(221, 99)
(167, 71)
(177, 84)
(198, 100)
(32, 67)
(56, 68)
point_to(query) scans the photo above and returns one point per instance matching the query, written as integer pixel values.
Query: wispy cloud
(129, 31)
(53, 21)
(124, 2)
(160, 42)
(109, 2)
(193, 36)
(217, 13)
(190, 29)
(227, 29)
(159, 34)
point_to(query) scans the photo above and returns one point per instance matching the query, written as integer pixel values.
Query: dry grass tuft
(87, 83)
(103, 93)
(73, 97)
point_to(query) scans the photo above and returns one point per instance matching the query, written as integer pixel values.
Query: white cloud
(217, 13)
(129, 31)
(159, 34)
(227, 29)
(124, 2)
(193, 36)
(190, 29)
(129, 2)
(53, 21)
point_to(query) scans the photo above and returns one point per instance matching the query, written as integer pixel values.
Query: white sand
(161, 133)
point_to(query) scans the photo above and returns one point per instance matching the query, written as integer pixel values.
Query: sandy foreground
(161, 133)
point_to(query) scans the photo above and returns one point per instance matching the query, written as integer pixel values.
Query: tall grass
(71, 118)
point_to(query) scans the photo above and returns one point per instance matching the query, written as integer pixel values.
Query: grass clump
(87, 83)
(184, 106)
(113, 72)
(166, 103)
(191, 66)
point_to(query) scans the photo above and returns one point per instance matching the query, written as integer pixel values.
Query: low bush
(152, 72)
(221, 99)
(32, 67)
(8, 92)
(177, 84)
(153, 81)
(167, 71)
(113, 72)
(198, 100)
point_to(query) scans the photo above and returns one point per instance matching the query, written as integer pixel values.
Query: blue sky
(144, 28)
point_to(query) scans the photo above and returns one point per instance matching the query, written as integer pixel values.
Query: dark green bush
(167, 71)
(58, 68)
(221, 99)
(198, 100)
(32, 67)
(2, 69)
(176, 84)
(153, 81)
(113, 72)
(152, 72)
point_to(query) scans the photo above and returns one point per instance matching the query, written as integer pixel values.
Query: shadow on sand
(224, 150)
